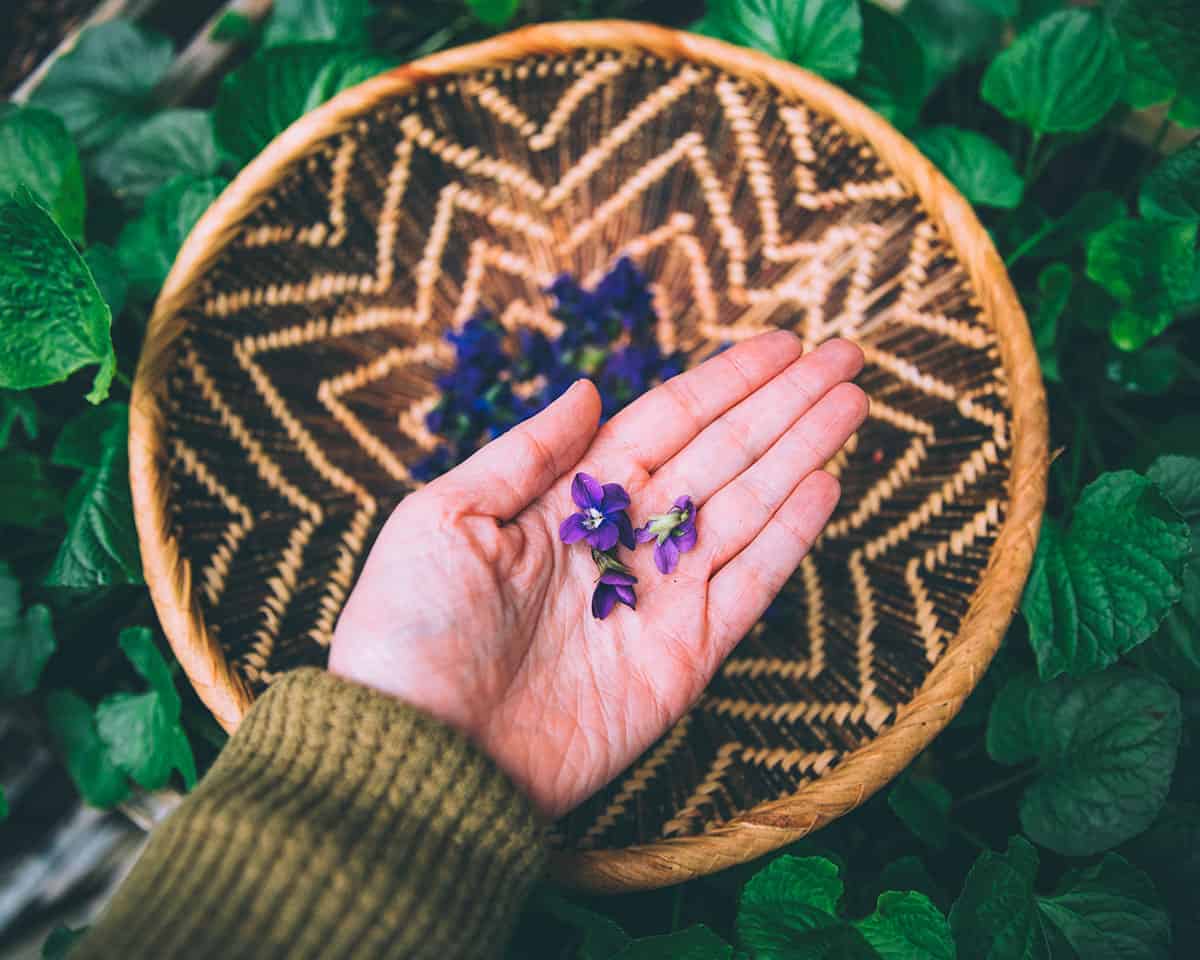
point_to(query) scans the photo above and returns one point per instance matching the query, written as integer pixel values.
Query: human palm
(471, 608)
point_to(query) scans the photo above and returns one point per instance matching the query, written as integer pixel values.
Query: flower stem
(996, 787)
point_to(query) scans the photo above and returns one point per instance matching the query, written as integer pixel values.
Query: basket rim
(861, 771)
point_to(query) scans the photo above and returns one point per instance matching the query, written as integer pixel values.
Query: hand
(472, 609)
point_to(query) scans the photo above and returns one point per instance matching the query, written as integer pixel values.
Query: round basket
(293, 354)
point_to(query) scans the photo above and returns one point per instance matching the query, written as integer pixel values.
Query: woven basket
(291, 358)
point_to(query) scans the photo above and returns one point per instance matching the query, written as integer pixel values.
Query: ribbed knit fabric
(337, 823)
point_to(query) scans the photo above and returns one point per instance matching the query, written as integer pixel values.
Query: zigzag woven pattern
(301, 381)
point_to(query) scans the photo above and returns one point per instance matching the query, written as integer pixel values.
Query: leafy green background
(1059, 814)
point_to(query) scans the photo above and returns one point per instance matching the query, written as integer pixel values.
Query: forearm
(337, 823)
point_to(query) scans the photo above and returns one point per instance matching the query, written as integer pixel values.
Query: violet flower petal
(666, 555)
(643, 534)
(617, 578)
(684, 503)
(604, 537)
(686, 539)
(626, 596)
(603, 600)
(586, 491)
(572, 529)
(624, 529)
(615, 498)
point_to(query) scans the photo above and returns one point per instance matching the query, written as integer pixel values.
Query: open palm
(470, 607)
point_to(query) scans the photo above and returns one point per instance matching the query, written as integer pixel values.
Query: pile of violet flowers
(501, 378)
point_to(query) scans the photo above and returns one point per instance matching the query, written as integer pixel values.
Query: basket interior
(298, 388)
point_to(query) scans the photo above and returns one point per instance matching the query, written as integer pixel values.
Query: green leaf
(26, 639)
(142, 731)
(1063, 74)
(1147, 79)
(105, 265)
(788, 911)
(891, 74)
(1055, 282)
(73, 727)
(495, 13)
(234, 28)
(53, 320)
(58, 944)
(1149, 268)
(601, 936)
(1109, 911)
(277, 86)
(1185, 109)
(103, 85)
(101, 546)
(168, 144)
(907, 926)
(1105, 747)
(3, 805)
(978, 167)
(82, 441)
(17, 406)
(346, 22)
(1102, 588)
(36, 151)
(149, 244)
(695, 943)
(923, 806)
(27, 495)
(951, 33)
(1174, 651)
(825, 36)
(1173, 31)
(910, 873)
(1171, 193)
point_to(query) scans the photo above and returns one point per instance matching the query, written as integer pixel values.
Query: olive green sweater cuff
(337, 822)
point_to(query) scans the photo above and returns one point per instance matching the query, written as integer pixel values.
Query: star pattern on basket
(747, 214)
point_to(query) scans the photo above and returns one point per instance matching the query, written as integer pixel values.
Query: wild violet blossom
(501, 378)
(602, 519)
(674, 532)
(614, 586)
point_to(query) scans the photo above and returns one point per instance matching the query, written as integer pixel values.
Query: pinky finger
(743, 589)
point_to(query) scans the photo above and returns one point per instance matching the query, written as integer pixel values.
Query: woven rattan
(292, 355)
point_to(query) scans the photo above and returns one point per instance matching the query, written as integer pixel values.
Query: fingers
(742, 591)
(736, 513)
(513, 470)
(654, 427)
(738, 437)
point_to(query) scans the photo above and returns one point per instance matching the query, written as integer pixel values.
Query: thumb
(512, 471)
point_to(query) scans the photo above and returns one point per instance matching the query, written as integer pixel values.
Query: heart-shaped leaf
(26, 639)
(1171, 193)
(37, 152)
(1062, 74)
(1108, 911)
(169, 144)
(102, 86)
(1105, 747)
(1101, 588)
(825, 36)
(981, 170)
(53, 320)
(73, 727)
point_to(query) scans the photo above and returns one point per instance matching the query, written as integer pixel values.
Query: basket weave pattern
(303, 358)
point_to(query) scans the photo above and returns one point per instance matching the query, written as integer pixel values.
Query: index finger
(660, 423)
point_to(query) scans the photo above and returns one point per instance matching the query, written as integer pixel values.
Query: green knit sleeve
(337, 823)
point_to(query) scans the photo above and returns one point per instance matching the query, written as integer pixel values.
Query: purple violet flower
(601, 519)
(673, 531)
(614, 586)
